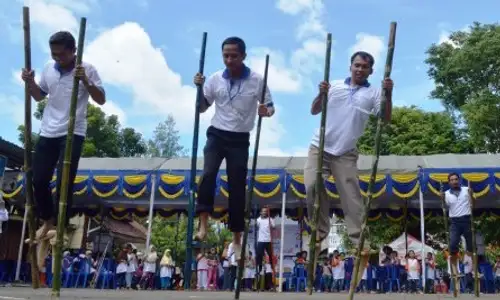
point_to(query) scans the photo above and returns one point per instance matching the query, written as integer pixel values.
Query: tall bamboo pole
(28, 157)
(192, 179)
(378, 140)
(63, 199)
(445, 219)
(474, 244)
(311, 268)
(249, 200)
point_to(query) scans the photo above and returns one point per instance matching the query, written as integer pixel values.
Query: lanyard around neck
(230, 88)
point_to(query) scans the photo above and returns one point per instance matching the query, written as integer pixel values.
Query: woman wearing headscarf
(166, 268)
(148, 276)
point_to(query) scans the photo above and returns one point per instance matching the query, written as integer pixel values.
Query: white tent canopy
(399, 245)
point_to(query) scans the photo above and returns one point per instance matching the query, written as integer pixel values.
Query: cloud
(270, 143)
(372, 44)
(16, 77)
(111, 108)
(55, 15)
(12, 107)
(444, 35)
(280, 78)
(127, 59)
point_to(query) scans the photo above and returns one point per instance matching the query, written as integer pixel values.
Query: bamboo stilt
(311, 267)
(61, 218)
(474, 244)
(378, 140)
(249, 200)
(28, 157)
(192, 180)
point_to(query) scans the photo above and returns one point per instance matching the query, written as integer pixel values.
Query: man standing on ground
(236, 92)
(350, 104)
(56, 83)
(265, 225)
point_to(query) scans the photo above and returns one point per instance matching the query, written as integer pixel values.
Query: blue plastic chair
(287, 280)
(488, 279)
(83, 273)
(299, 277)
(394, 271)
(106, 276)
(348, 267)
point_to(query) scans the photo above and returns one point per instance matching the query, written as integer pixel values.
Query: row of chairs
(387, 278)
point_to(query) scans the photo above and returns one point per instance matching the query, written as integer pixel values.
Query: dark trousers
(49, 152)
(120, 280)
(232, 276)
(227, 279)
(429, 286)
(460, 226)
(261, 247)
(232, 146)
(412, 285)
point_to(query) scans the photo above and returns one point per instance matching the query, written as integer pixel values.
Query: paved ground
(18, 293)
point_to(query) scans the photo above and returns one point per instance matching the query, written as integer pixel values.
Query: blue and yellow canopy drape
(122, 188)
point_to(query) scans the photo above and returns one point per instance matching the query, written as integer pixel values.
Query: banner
(291, 239)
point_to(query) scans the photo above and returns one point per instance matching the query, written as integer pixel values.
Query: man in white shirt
(265, 224)
(350, 104)
(56, 82)
(236, 92)
(458, 199)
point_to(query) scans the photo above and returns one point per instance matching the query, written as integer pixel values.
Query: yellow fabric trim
(476, 177)
(135, 195)
(105, 195)
(105, 179)
(404, 178)
(171, 196)
(411, 193)
(13, 193)
(135, 179)
(172, 179)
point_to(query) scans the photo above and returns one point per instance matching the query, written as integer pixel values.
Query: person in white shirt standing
(350, 104)
(56, 82)
(236, 92)
(469, 279)
(265, 225)
(458, 199)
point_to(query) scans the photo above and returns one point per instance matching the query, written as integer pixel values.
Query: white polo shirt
(348, 111)
(236, 101)
(264, 233)
(58, 86)
(458, 202)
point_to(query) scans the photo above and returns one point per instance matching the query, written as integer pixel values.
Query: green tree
(413, 131)
(165, 141)
(105, 137)
(466, 72)
(171, 234)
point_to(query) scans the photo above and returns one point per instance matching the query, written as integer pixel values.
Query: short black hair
(234, 40)
(453, 174)
(63, 38)
(365, 56)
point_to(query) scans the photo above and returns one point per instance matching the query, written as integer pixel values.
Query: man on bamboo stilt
(56, 84)
(350, 104)
(236, 92)
(458, 199)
